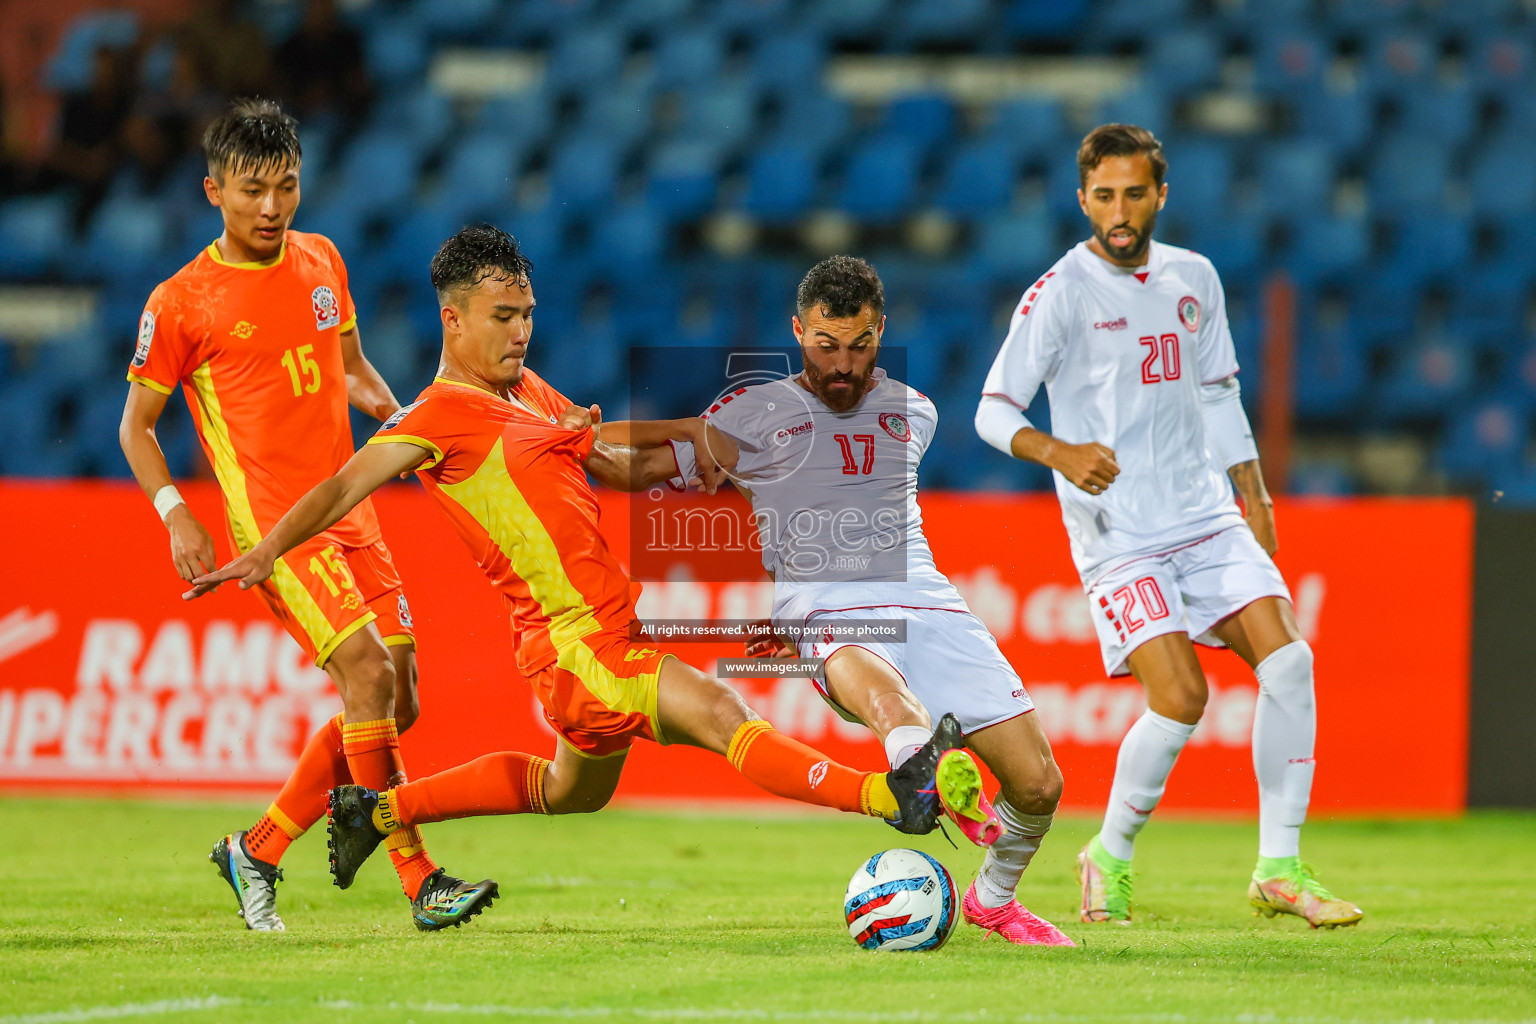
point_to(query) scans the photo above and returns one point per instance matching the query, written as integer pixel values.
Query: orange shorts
(323, 592)
(600, 693)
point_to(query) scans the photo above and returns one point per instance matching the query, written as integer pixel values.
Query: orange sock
(788, 768)
(504, 783)
(373, 758)
(322, 767)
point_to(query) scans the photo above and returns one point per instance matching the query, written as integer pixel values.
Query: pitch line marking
(167, 1006)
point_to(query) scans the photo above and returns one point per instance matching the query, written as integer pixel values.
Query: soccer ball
(901, 900)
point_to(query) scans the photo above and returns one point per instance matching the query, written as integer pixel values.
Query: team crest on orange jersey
(327, 309)
(146, 335)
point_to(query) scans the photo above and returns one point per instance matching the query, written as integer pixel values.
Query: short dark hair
(254, 135)
(843, 285)
(474, 254)
(1109, 140)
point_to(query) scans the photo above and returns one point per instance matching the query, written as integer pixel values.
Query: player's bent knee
(1286, 675)
(1036, 796)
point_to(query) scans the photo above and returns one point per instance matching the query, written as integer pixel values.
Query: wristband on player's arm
(998, 420)
(167, 498)
(1228, 434)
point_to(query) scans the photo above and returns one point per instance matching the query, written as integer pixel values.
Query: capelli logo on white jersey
(817, 773)
(1111, 325)
(789, 432)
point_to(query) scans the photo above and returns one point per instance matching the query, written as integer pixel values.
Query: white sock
(1008, 857)
(1284, 732)
(903, 741)
(1146, 757)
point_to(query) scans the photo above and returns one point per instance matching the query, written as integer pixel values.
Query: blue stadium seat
(396, 51)
(1028, 20)
(1446, 113)
(537, 17)
(73, 64)
(124, 232)
(849, 18)
(540, 231)
(1488, 305)
(1396, 60)
(1501, 182)
(752, 15)
(481, 172)
(924, 119)
(1429, 246)
(589, 55)
(816, 119)
(788, 60)
(1324, 479)
(1184, 60)
(584, 171)
(1234, 244)
(723, 115)
(421, 116)
(682, 178)
(1501, 62)
(524, 118)
(1335, 375)
(1341, 118)
(387, 162)
(1368, 14)
(688, 57)
(1143, 104)
(1296, 178)
(1484, 440)
(1017, 245)
(1427, 379)
(1031, 127)
(1199, 179)
(1267, 15)
(941, 21)
(880, 180)
(782, 181)
(34, 234)
(619, 112)
(415, 237)
(1134, 19)
(979, 180)
(1407, 173)
(460, 20)
(1326, 246)
(1288, 60)
(649, 15)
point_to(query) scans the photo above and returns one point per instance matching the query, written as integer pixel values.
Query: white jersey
(834, 495)
(1123, 355)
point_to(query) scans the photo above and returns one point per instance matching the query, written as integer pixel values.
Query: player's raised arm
(709, 454)
(365, 472)
(367, 391)
(191, 546)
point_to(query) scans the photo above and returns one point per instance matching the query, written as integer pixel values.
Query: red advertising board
(109, 680)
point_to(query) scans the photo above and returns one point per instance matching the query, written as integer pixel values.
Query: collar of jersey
(213, 254)
(519, 405)
(1119, 273)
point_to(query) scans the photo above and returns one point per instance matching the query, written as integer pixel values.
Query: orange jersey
(513, 484)
(257, 349)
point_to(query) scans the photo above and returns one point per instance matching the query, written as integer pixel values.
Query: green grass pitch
(109, 910)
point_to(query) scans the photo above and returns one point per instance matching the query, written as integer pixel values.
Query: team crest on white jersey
(327, 309)
(146, 335)
(1189, 312)
(895, 424)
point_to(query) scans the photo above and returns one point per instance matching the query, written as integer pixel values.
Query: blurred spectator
(232, 47)
(321, 67)
(90, 129)
(167, 124)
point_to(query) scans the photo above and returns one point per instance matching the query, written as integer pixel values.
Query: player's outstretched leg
(1292, 888)
(248, 860)
(1020, 756)
(441, 900)
(959, 784)
(254, 882)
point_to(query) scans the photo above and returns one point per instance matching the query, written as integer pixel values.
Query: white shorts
(950, 662)
(1186, 590)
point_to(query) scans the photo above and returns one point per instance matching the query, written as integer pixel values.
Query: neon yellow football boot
(1106, 883)
(1284, 885)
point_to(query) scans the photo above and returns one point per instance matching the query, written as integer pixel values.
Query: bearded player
(829, 460)
(506, 456)
(1130, 338)
(260, 332)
